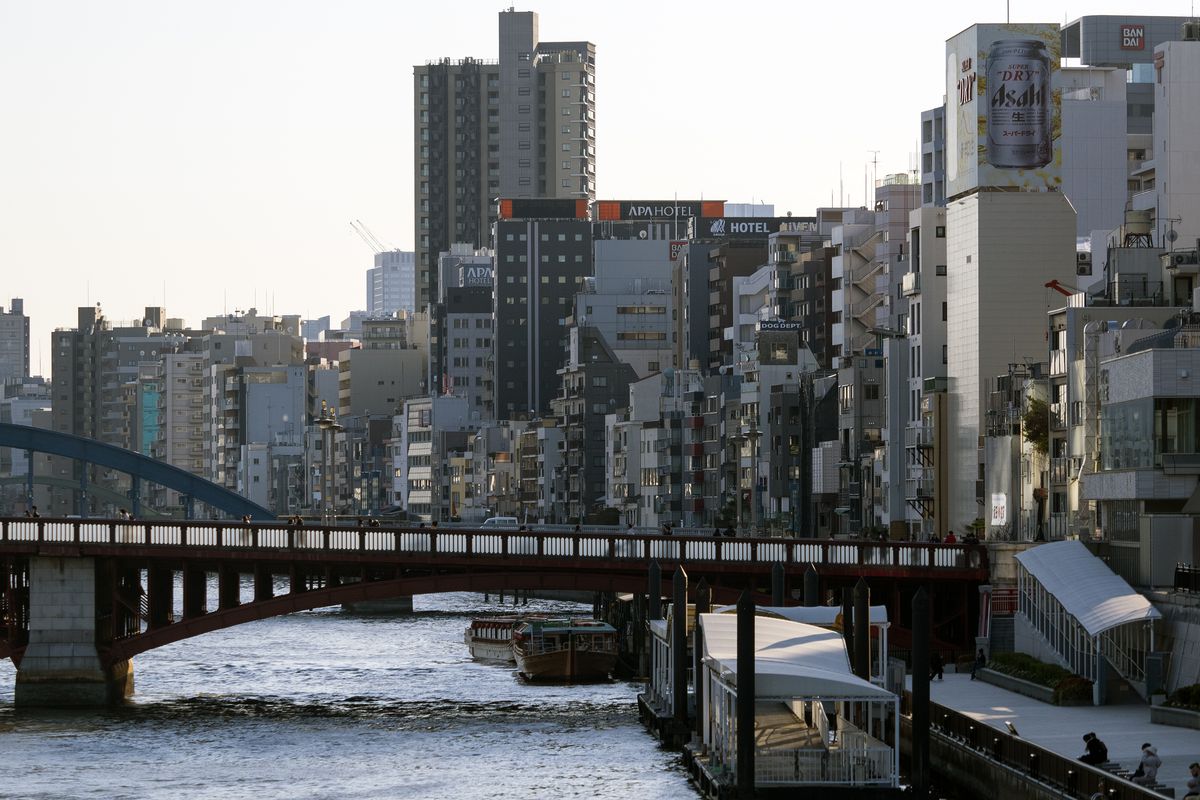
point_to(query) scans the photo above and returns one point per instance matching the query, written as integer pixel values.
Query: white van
(505, 523)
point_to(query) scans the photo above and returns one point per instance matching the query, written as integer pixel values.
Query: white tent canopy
(792, 659)
(1094, 595)
(824, 616)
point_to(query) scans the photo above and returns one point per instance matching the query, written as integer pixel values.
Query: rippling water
(332, 705)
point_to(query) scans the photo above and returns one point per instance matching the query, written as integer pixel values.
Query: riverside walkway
(1060, 728)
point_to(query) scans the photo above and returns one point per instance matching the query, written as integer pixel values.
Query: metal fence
(1073, 777)
(1187, 578)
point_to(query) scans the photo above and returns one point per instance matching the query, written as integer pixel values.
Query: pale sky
(209, 156)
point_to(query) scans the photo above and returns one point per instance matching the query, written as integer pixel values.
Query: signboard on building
(677, 248)
(614, 210)
(748, 227)
(779, 325)
(999, 509)
(475, 275)
(543, 208)
(1003, 115)
(1133, 36)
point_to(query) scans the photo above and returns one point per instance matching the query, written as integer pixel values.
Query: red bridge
(112, 583)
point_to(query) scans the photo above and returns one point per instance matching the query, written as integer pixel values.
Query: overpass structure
(80, 598)
(136, 465)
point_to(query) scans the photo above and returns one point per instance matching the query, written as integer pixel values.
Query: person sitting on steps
(1097, 751)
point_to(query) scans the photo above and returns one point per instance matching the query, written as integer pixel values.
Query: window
(870, 391)
(944, 360)
(566, 164)
(522, 109)
(566, 76)
(566, 128)
(566, 112)
(566, 147)
(940, 231)
(940, 269)
(523, 91)
(566, 183)
(943, 311)
(524, 127)
(523, 144)
(566, 92)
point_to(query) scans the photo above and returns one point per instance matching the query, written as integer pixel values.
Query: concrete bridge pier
(61, 668)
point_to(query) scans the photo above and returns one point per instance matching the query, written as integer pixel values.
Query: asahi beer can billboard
(1003, 115)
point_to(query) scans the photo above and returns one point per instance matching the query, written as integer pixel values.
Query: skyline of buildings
(704, 362)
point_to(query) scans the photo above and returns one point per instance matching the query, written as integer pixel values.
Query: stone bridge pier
(61, 666)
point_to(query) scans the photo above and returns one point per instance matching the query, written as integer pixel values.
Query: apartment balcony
(1064, 469)
(1059, 362)
(1058, 416)
(1180, 463)
(910, 285)
(918, 489)
(921, 436)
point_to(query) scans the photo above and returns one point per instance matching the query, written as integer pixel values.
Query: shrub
(1073, 691)
(1069, 689)
(1186, 697)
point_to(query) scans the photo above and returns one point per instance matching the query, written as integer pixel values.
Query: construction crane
(371, 240)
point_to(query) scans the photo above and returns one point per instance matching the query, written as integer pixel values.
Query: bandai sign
(677, 248)
(1133, 37)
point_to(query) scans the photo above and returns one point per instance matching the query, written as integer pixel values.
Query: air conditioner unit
(1083, 258)
(1184, 258)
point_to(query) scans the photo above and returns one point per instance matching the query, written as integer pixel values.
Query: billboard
(1003, 109)
(614, 210)
(748, 227)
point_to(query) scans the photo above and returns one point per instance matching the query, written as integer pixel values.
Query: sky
(209, 156)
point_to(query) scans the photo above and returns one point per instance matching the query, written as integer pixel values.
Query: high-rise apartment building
(392, 283)
(14, 341)
(543, 255)
(522, 126)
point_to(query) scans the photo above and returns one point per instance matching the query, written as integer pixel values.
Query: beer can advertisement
(1003, 109)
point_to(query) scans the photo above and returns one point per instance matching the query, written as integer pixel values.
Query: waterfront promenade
(1060, 728)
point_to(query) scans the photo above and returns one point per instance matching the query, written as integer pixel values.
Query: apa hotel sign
(1133, 36)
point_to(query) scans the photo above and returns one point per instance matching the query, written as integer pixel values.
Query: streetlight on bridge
(330, 427)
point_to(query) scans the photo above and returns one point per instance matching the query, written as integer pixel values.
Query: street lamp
(753, 436)
(737, 440)
(330, 427)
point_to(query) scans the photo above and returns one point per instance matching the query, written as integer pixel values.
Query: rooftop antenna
(874, 168)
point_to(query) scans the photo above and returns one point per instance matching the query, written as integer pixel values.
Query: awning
(825, 616)
(1093, 594)
(791, 659)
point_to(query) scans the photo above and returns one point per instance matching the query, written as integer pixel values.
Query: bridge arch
(24, 437)
(363, 591)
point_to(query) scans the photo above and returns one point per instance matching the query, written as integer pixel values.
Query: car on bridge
(502, 523)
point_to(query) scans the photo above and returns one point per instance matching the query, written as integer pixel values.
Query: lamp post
(738, 440)
(329, 429)
(753, 436)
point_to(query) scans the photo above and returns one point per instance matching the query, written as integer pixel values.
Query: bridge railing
(466, 542)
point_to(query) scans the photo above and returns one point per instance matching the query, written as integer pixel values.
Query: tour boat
(564, 649)
(490, 638)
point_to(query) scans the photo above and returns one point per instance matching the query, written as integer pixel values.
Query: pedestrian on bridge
(951, 538)
(936, 666)
(980, 663)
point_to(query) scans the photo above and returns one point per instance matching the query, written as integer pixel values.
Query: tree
(1035, 425)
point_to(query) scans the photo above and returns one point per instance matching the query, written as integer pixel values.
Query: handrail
(341, 539)
(1074, 777)
(1187, 578)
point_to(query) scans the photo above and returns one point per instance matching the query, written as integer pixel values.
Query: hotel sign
(613, 210)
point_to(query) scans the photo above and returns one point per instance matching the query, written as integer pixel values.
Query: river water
(328, 704)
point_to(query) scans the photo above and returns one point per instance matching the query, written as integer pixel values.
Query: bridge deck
(345, 544)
